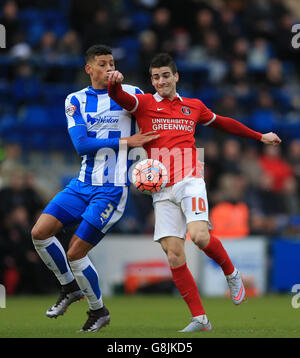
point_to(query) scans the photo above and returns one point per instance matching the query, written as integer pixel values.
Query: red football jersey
(175, 121)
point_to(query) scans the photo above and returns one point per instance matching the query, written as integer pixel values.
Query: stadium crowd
(235, 55)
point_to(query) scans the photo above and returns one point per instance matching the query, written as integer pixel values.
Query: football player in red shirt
(182, 204)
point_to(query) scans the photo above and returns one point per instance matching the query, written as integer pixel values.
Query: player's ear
(87, 68)
(151, 79)
(176, 77)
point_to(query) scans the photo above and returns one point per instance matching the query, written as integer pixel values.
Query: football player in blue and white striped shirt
(97, 198)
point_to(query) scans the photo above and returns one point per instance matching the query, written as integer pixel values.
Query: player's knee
(73, 255)
(78, 249)
(37, 234)
(175, 257)
(200, 238)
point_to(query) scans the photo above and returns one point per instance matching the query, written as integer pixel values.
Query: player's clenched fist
(115, 77)
(270, 138)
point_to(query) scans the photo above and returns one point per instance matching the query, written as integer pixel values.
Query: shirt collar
(97, 91)
(158, 98)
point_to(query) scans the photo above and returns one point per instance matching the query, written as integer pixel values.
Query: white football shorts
(177, 205)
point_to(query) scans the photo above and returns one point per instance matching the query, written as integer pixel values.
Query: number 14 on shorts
(198, 205)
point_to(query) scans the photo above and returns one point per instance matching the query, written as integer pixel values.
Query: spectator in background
(231, 156)
(240, 50)
(210, 55)
(265, 207)
(11, 23)
(81, 13)
(212, 165)
(259, 18)
(274, 74)
(21, 271)
(47, 49)
(204, 23)
(12, 194)
(290, 197)
(148, 48)
(182, 41)
(33, 198)
(163, 30)
(100, 29)
(213, 46)
(12, 160)
(238, 73)
(230, 216)
(259, 54)
(250, 167)
(229, 26)
(70, 44)
(20, 49)
(264, 115)
(146, 5)
(293, 158)
(26, 85)
(291, 206)
(21, 192)
(228, 106)
(275, 167)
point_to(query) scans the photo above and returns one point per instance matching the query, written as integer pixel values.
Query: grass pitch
(152, 316)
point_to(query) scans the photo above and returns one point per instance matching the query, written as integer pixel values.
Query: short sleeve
(206, 116)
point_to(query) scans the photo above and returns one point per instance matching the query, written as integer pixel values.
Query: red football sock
(188, 289)
(216, 251)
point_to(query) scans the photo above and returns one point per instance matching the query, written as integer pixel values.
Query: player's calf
(78, 249)
(174, 249)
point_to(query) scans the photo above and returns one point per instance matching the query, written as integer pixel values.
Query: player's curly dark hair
(162, 60)
(97, 50)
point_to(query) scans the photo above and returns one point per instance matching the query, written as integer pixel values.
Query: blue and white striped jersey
(103, 119)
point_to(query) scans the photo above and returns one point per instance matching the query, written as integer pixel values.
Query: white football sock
(88, 281)
(232, 274)
(202, 318)
(54, 256)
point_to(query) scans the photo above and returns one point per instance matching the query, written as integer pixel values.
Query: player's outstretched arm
(139, 139)
(235, 127)
(232, 126)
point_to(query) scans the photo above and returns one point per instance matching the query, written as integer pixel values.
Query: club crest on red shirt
(185, 110)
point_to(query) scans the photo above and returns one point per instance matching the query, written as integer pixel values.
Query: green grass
(152, 317)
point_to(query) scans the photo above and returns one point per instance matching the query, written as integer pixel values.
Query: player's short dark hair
(97, 50)
(162, 60)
